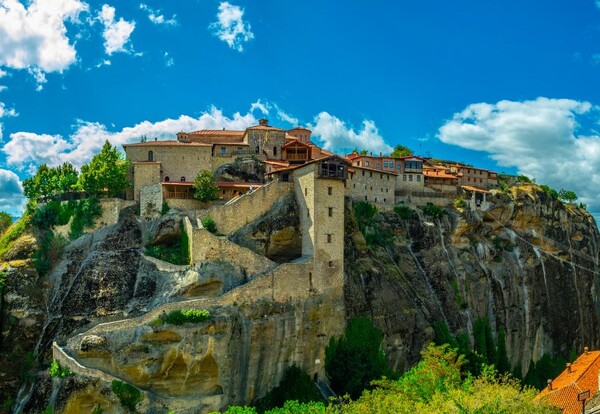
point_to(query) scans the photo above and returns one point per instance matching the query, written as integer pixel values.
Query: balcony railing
(178, 194)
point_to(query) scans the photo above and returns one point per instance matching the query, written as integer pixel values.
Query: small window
(385, 164)
(354, 185)
(381, 176)
(256, 150)
(308, 212)
(330, 263)
(370, 174)
(378, 165)
(384, 200)
(274, 151)
(365, 198)
(167, 179)
(388, 178)
(399, 166)
(366, 163)
(418, 178)
(330, 190)
(330, 209)
(182, 179)
(363, 173)
(329, 238)
(305, 191)
(403, 177)
(150, 156)
(375, 199)
(223, 150)
(239, 150)
(410, 178)
(391, 164)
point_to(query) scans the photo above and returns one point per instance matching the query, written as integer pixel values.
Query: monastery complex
(285, 154)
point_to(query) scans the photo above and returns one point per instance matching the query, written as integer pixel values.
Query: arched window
(167, 178)
(182, 179)
(150, 156)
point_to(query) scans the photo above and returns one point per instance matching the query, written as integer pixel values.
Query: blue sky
(511, 86)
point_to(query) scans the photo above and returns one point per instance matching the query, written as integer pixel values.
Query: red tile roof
(217, 132)
(583, 376)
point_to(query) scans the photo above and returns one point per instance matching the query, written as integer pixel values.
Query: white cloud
(231, 27)
(157, 17)
(285, 116)
(333, 134)
(5, 112)
(116, 33)
(35, 37)
(26, 149)
(541, 138)
(169, 61)
(2, 73)
(264, 108)
(11, 193)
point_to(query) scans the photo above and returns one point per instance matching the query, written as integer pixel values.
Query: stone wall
(185, 204)
(304, 183)
(151, 201)
(145, 173)
(410, 182)
(248, 207)
(373, 186)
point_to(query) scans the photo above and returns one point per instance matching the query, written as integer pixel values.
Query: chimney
(569, 367)
(550, 385)
(586, 350)
(263, 122)
(155, 139)
(381, 154)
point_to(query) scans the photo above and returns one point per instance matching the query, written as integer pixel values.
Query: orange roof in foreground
(566, 387)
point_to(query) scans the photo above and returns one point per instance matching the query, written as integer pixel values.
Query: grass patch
(12, 233)
(57, 371)
(180, 317)
(128, 395)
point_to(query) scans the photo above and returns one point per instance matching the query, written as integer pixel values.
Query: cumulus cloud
(26, 149)
(35, 37)
(11, 193)
(542, 138)
(157, 17)
(231, 27)
(335, 135)
(2, 73)
(117, 33)
(5, 112)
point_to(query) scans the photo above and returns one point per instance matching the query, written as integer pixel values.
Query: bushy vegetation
(209, 224)
(180, 317)
(550, 191)
(433, 211)
(460, 203)
(57, 213)
(435, 385)
(106, 173)
(49, 251)
(404, 211)
(205, 187)
(12, 233)
(401, 151)
(57, 371)
(175, 252)
(295, 385)
(128, 395)
(375, 234)
(165, 208)
(356, 358)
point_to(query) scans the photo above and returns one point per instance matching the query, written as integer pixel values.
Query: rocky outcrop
(529, 265)
(245, 169)
(275, 234)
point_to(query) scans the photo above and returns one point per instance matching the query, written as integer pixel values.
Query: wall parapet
(234, 215)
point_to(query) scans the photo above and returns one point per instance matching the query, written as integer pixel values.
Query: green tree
(355, 359)
(40, 185)
(5, 221)
(106, 172)
(568, 196)
(295, 385)
(205, 187)
(401, 151)
(64, 180)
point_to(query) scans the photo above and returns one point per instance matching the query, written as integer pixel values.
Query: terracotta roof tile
(217, 132)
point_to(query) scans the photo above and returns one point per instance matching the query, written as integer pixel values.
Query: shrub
(57, 371)
(165, 208)
(205, 187)
(209, 224)
(460, 203)
(550, 191)
(355, 359)
(180, 317)
(295, 385)
(433, 211)
(12, 234)
(128, 395)
(85, 213)
(403, 211)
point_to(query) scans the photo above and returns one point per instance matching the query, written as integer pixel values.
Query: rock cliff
(529, 265)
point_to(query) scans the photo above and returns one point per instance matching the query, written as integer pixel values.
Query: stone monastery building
(381, 180)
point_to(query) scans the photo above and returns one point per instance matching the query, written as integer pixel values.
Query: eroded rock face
(529, 265)
(276, 234)
(243, 170)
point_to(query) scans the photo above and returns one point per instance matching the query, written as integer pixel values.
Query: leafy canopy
(106, 172)
(401, 151)
(205, 188)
